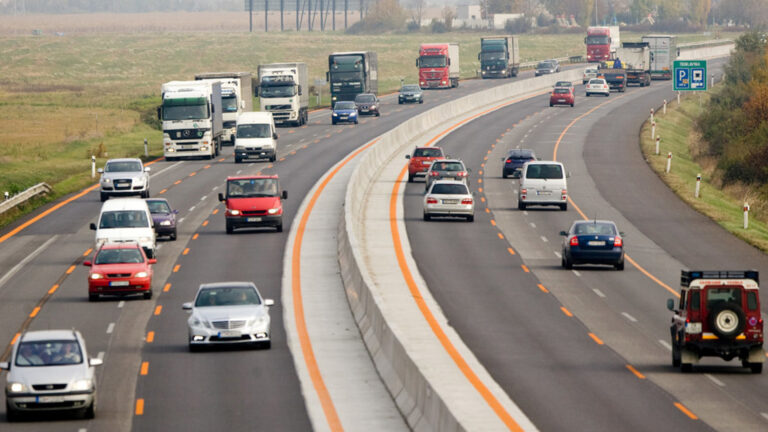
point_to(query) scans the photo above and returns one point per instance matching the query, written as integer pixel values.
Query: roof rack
(688, 276)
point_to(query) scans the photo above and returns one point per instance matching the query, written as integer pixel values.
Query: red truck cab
(598, 42)
(436, 68)
(253, 201)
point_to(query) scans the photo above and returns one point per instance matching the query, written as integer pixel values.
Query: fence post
(651, 115)
(7, 195)
(93, 166)
(665, 106)
(678, 98)
(146, 148)
(653, 131)
(658, 139)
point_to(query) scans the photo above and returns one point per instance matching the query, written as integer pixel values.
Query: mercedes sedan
(449, 198)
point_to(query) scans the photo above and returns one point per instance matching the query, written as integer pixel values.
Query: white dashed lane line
(715, 380)
(110, 328)
(191, 209)
(765, 415)
(665, 344)
(544, 239)
(203, 197)
(629, 317)
(533, 225)
(557, 254)
(598, 292)
(576, 272)
(121, 304)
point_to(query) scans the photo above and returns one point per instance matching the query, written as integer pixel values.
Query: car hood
(123, 175)
(227, 313)
(120, 268)
(31, 375)
(122, 234)
(255, 203)
(159, 217)
(254, 142)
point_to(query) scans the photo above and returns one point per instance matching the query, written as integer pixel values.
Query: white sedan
(449, 198)
(229, 313)
(598, 86)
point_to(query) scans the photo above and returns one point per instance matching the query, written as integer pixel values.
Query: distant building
(469, 16)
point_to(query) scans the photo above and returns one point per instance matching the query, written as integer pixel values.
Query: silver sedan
(229, 313)
(448, 169)
(449, 198)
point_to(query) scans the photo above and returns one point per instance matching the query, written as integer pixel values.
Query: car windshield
(49, 353)
(521, 154)
(365, 98)
(254, 130)
(590, 71)
(563, 84)
(562, 91)
(544, 172)
(449, 189)
(544, 65)
(427, 152)
(125, 166)
(596, 82)
(248, 188)
(124, 219)
(119, 256)
(227, 296)
(158, 206)
(410, 88)
(447, 166)
(344, 106)
(595, 228)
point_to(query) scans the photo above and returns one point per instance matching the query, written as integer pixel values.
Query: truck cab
(191, 116)
(718, 314)
(252, 202)
(438, 65)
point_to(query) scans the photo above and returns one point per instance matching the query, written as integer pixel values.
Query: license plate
(543, 192)
(450, 201)
(426, 162)
(229, 334)
(596, 243)
(50, 399)
(119, 283)
(561, 100)
(253, 219)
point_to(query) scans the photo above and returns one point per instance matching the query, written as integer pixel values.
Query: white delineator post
(7, 195)
(746, 216)
(698, 185)
(669, 161)
(658, 139)
(146, 148)
(93, 166)
(678, 98)
(653, 131)
(665, 106)
(713, 80)
(651, 115)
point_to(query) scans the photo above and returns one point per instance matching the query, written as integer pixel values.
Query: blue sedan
(344, 111)
(515, 160)
(593, 242)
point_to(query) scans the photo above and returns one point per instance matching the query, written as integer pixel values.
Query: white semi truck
(191, 115)
(283, 91)
(236, 98)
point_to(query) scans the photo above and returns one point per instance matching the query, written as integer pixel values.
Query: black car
(547, 67)
(410, 93)
(515, 160)
(593, 242)
(367, 104)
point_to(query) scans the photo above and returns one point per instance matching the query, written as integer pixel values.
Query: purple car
(163, 217)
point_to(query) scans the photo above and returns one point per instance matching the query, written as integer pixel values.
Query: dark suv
(718, 315)
(515, 160)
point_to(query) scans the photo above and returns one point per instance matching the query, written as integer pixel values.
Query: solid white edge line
(598, 292)
(715, 380)
(765, 415)
(544, 239)
(110, 328)
(26, 260)
(665, 344)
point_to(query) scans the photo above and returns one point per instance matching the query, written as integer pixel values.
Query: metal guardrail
(20, 198)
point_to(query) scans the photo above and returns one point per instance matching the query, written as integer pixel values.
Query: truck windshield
(598, 40)
(249, 188)
(185, 109)
(253, 131)
(345, 63)
(347, 77)
(493, 56)
(271, 91)
(229, 103)
(432, 61)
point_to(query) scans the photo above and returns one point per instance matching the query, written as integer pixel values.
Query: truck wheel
(756, 368)
(273, 158)
(589, 94)
(520, 205)
(11, 415)
(170, 159)
(676, 356)
(727, 320)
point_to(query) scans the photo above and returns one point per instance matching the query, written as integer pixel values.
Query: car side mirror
(564, 233)
(671, 304)
(5, 366)
(92, 226)
(176, 211)
(95, 362)
(285, 195)
(300, 90)
(407, 156)
(147, 169)
(221, 197)
(469, 170)
(269, 302)
(274, 135)
(152, 261)
(87, 263)
(187, 306)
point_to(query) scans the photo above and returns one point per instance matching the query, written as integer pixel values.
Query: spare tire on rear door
(727, 320)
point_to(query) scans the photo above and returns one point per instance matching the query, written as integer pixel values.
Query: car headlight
(141, 274)
(273, 210)
(106, 180)
(353, 114)
(373, 106)
(15, 387)
(234, 212)
(83, 384)
(165, 223)
(95, 276)
(335, 115)
(197, 322)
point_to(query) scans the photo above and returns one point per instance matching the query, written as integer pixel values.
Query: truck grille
(278, 107)
(185, 133)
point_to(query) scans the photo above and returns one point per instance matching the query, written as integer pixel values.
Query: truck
(615, 39)
(717, 315)
(663, 54)
(236, 98)
(284, 91)
(191, 116)
(636, 59)
(352, 73)
(615, 78)
(499, 57)
(598, 43)
(438, 65)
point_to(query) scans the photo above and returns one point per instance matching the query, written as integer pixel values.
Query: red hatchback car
(253, 201)
(421, 159)
(562, 96)
(120, 269)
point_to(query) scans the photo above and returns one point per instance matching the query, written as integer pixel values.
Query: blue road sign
(682, 79)
(690, 75)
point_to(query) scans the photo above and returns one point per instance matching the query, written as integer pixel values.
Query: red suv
(253, 201)
(120, 269)
(718, 315)
(421, 159)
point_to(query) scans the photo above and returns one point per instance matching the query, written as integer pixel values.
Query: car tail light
(461, 174)
(564, 194)
(434, 174)
(617, 242)
(509, 160)
(466, 201)
(431, 200)
(574, 241)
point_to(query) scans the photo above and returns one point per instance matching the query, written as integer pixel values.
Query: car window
(447, 166)
(751, 300)
(119, 256)
(563, 84)
(49, 353)
(521, 154)
(596, 81)
(449, 189)
(544, 65)
(254, 130)
(695, 300)
(539, 171)
(427, 152)
(124, 219)
(344, 105)
(227, 296)
(158, 207)
(365, 98)
(124, 166)
(410, 88)
(562, 91)
(597, 228)
(725, 294)
(250, 188)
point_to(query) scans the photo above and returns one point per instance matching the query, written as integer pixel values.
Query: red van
(253, 201)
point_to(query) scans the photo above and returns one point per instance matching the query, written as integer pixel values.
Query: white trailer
(191, 116)
(663, 54)
(284, 91)
(615, 39)
(454, 70)
(236, 97)
(636, 59)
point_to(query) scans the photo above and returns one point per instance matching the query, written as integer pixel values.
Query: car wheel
(90, 412)
(471, 218)
(194, 348)
(266, 345)
(421, 101)
(756, 368)
(564, 207)
(727, 320)
(520, 205)
(11, 415)
(589, 94)
(230, 228)
(573, 104)
(378, 114)
(333, 122)
(427, 217)
(279, 228)
(148, 295)
(238, 160)
(620, 266)
(410, 178)
(273, 158)
(399, 102)
(676, 357)
(355, 121)
(504, 174)
(566, 262)
(686, 367)
(550, 104)
(173, 235)
(104, 197)
(93, 297)
(145, 194)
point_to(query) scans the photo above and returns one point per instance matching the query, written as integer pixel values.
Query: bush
(517, 26)
(438, 26)
(413, 27)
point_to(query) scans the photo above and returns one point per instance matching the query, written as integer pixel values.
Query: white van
(126, 220)
(543, 183)
(255, 136)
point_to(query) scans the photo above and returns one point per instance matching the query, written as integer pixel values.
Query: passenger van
(126, 220)
(255, 137)
(543, 183)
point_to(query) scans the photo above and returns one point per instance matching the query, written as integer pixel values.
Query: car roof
(541, 162)
(124, 204)
(120, 245)
(597, 79)
(594, 221)
(235, 284)
(446, 181)
(255, 116)
(124, 160)
(428, 147)
(253, 177)
(365, 94)
(42, 335)
(155, 199)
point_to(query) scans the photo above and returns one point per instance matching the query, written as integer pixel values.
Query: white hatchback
(598, 86)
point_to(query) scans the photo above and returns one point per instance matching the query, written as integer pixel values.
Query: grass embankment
(723, 205)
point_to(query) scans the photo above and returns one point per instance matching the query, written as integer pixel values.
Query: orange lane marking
(482, 165)
(15, 338)
(177, 182)
(194, 237)
(222, 159)
(511, 251)
(480, 172)
(34, 312)
(482, 199)
(293, 152)
(176, 268)
(186, 251)
(305, 146)
(88, 252)
(485, 157)
(489, 152)
(498, 140)
(316, 141)
(291, 131)
(71, 269)
(487, 210)
(163, 191)
(501, 236)
(139, 407)
(461, 363)
(150, 336)
(331, 415)
(566, 311)
(206, 167)
(493, 145)
(281, 159)
(525, 268)
(192, 174)
(686, 411)
(596, 339)
(543, 288)
(215, 211)
(53, 289)
(144, 368)
(167, 287)
(205, 223)
(479, 180)
(493, 222)
(158, 309)
(635, 371)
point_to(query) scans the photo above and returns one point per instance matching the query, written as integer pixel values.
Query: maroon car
(163, 217)
(562, 96)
